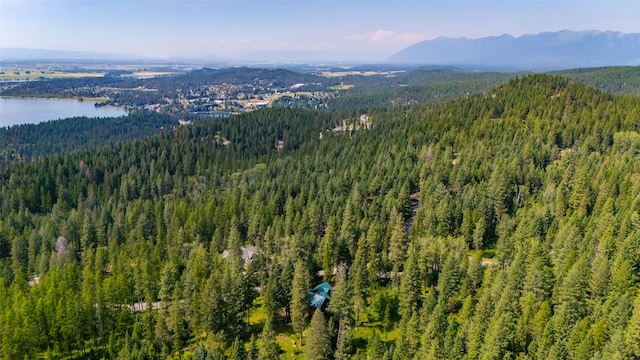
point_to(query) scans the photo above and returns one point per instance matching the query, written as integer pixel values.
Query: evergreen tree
(237, 351)
(410, 286)
(253, 350)
(268, 348)
(375, 347)
(632, 333)
(318, 345)
(479, 232)
(572, 295)
(299, 299)
(498, 343)
(539, 276)
(341, 306)
(397, 244)
(449, 279)
(600, 275)
(201, 353)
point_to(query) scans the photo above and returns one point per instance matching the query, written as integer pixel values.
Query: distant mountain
(21, 54)
(309, 57)
(63, 56)
(545, 51)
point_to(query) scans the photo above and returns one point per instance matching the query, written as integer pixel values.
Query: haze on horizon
(356, 30)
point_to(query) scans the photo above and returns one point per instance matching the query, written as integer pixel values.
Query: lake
(15, 111)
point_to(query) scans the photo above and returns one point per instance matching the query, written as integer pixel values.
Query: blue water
(15, 111)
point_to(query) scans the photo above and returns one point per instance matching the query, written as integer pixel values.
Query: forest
(31, 141)
(498, 225)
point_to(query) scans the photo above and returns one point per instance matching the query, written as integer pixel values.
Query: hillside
(419, 86)
(619, 80)
(524, 243)
(544, 51)
(32, 141)
(437, 84)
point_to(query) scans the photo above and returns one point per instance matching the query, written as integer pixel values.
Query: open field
(342, 87)
(13, 73)
(25, 75)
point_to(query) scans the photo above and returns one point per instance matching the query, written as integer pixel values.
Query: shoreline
(57, 97)
(17, 110)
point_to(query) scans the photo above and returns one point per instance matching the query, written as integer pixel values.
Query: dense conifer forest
(30, 141)
(499, 225)
(618, 79)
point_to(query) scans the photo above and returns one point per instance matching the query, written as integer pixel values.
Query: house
(319, 295)
(248, 253)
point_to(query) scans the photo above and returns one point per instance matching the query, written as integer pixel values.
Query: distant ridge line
(544, 51)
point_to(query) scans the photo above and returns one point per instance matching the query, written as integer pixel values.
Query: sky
(354, 30)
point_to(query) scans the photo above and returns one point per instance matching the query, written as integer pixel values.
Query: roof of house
(247, 252)
(316, 300)
(319, 294)
(324, 288)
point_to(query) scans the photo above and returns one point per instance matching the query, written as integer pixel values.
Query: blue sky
(342, 30)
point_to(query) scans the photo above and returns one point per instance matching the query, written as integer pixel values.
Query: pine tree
(449, 279)
(410, 285)
(299, 299)
(632, 334)
(253, 351)
(397, 244)
(212, 310)
(498, 338)
(622, 275)
(237, 351)
(19, 255)
(375, 347)
(572, 294)
(539, 275)
(479, 232)
(318, 345)
(358, 278)
(270, 291)
(600, 275)
(268, 348)
(341, 306)
(434, 334)
(329, 248)
(177, 322)
(347, 237)
(201, 353)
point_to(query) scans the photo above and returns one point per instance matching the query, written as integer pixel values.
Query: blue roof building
(319, 295)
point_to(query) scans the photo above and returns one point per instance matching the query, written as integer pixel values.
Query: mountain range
(23, 54)
(257, 57)
(543, 51)
(536, 52)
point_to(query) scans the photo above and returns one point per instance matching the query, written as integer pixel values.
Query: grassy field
(24, 75)
(286, 337)
(342, 87)
(27, 74)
